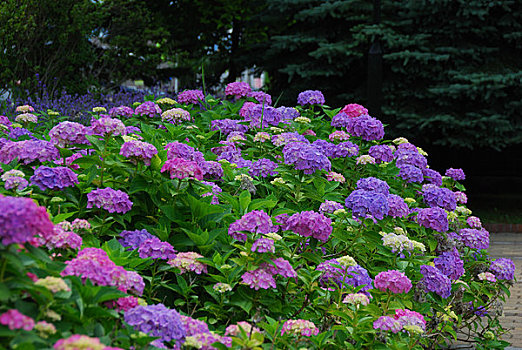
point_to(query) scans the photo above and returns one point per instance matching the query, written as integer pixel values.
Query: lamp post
(375, 69)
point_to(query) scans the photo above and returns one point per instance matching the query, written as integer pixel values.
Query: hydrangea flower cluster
(263, 167)
(434, 218)
(474, 222)
(68, 133)
(356, 299)
(433, 177)
(256, 221)
(287, 137)
(26, 118)
(148, 109)
(138, 150)
(310, 97)
(340, 120)
(134, 239)
(121, 111)
(366, 127)
(261, 97)
(214, 192)
(310, 224)
(54, 179)
(114, 201)
(305, 157)
(381, 153)
(106, 126)
(28, 151)
(264, 116)
(63, 239)
(13, 319)
(235, 329)
(16, 133)
(175, 116)
(456, 174)
(191, 96)
(336, 273)
(21, 219)
(435, 281)
(155, 248)
(503, 268)
(399, 243)
(473, 238)
(157, 321)
(450, 264)
(16, 183)
(237, 89)
(24, 109)
(487, 276)
(182, 169)
(180, 150)
(263, 245)
(333, 176)
(364, 203)
(354, 110)
(392, 280)
(44, 329)
(94, 264)
(403, 320)
(299, 328)
(226, 126)
(54, 284)
(187, 262)
(435, 196)
(259, 279)
(461, 197)
(339, 135)
(329, 207)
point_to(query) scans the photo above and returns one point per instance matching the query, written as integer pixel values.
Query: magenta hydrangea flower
(263, 245)
(256, 221)
(148, 109)
(461, 197)
(235, 329)
(392, 280)
(354, 110)
(28, 151)
(259, 279)
(81, 224)
(106, 126)
(157, 321)
(138, 150)
(121, 111)
(114, 201)
(310, 97)
(13, 319)
(68, 133)
(434, 280)
(182, 169)
(237, 89)
(187, 262)
(126, 303)
(16, 183)
(503, 268)
(310, 223)
(95, 265)
(300, 328)
(474, 222)
(261, 97)
(21, 219)
(190, 96)
(434, 218)
(456, 174)
(366, 127)
(79, 341)
(54, 179)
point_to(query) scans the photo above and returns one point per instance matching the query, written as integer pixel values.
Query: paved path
(509, 245)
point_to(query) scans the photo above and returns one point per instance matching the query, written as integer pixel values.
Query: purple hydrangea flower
(63, 239)
(435, 196)
(434, 218)
(259, 279)
(287, 137)
(410, 173)
(256, 221)
(310, 97)
(237, 89)
(366, 127)
(54, 179)
(279, 267)
(461, 197)
(503, 268)
(180, 150)
(121, 111)
(330, 207)
(381, 153)
(450, 264)
(397, 206)
(15, 183)
(364, 203)
(305, 157)
(226, 126)
(325, 147)
(138, 150)
(474, 222)
(340, 120)
(211, 170)
(157, 321)
(407, 156)
(68, 133)
(191, 96)
(193, 326)
(373, 184)
(156, 249)
(456, 174)
(28, 151)
(345, 149)
(21, 219)
(288, 113)
(264, 116)
(387, 323)
(473, 238)
(16, 133)
(261, 97)
(435, 281)
(106, 126)
(392, 280)
(134, 239)
(263, 167)
(148, 109)
(214, 192)
(310, 223)
(432, 176)
(114, 201)
(263, 245)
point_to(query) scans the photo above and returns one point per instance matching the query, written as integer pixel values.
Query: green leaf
(244, 200)
(96, 142)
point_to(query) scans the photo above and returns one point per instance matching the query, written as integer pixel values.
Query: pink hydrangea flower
(300, 328)
(15, 320)
(186, 261)
(181, 169)
(392, 280)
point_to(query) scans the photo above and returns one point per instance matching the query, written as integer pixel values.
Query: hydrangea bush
(202, 223)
